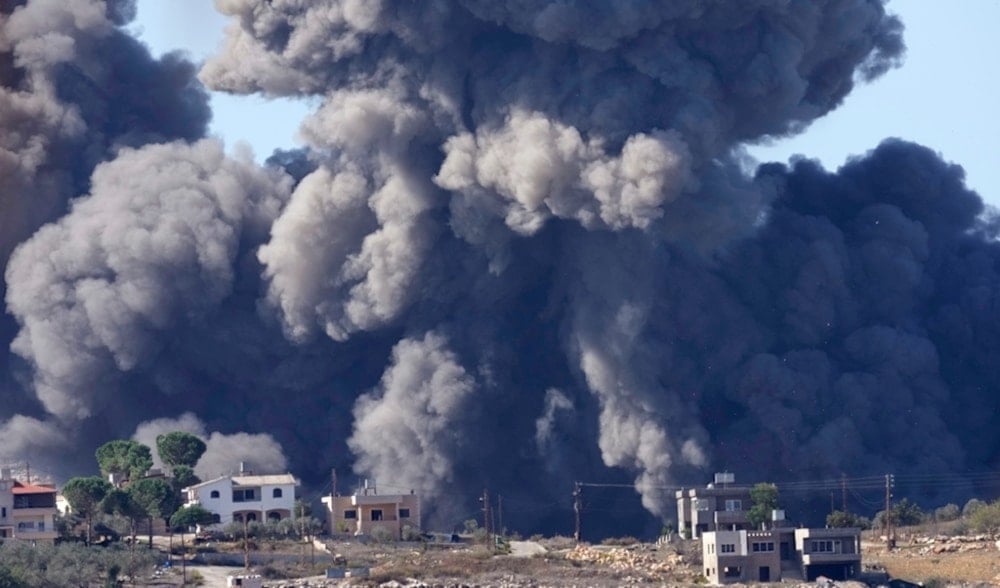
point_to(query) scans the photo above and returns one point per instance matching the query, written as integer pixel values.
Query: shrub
(841, 519)
(986, 519)
(622, 541)
(972, 506)
(948, 512)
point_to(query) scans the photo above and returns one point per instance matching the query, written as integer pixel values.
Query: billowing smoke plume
(522, 247)
(224, 454)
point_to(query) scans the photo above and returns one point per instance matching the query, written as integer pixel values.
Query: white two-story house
(245, 497)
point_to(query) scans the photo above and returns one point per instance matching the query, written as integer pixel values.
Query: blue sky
(945, 95)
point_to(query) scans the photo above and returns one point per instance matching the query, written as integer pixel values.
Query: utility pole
(577, 507)
(843, 492)
(486, 511)
(246, 544)
(888, 511)
(500, 527)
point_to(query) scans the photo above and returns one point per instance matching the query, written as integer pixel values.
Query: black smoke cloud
(520, 248)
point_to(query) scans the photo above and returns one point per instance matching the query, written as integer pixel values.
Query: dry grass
(973, 566)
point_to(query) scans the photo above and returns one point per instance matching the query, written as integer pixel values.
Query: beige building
(720, 506)
(781, 554)
(27, 512)
(365, 511)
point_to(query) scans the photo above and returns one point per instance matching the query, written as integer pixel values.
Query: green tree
(764, 499)
(972, 506)
(130, 459)
(183, 476)
(157, 499)
(841, 519)
(986, 519)
(180, 448)
(120, 502)
(905, 513)
(948, 512)
(8, 579)
(84, 496)
(184, 518)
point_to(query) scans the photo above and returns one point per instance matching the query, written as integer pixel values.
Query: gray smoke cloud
(224, 454)
(151, 246)
(405, 430)
(74, 88)
(522, 243)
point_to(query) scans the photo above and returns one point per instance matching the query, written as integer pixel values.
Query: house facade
(27, 512)
(245, 497)
(784, 553)
(716, 507)
(366, 512)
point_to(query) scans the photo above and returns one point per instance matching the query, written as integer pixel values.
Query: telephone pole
(888, 511)
(843, 492)
(577, 507)
(500, 527)
(486, 511)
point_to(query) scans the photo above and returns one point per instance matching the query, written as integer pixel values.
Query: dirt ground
(559, 562)
(969, 562)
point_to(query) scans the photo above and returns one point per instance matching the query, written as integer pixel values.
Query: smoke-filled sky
(522, 244)
(947, 67)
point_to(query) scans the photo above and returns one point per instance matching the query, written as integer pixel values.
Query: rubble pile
(624, 559)
(953, 544)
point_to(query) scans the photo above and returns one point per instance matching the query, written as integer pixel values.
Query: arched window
(214, 494)
(276, 493)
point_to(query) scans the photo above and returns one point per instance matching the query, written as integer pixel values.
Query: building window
(376, 514)
(732, 571)
(214, 494)
(245, 495)
(763, 547)
(824, 546)
(276, 493)
(727, 548)
(701, 505)
(404, 513)
(350, 514)
(734, 505)
(216, 518)
(3, 512)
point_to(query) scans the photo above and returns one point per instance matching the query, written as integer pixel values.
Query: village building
(245, 497)
(367, 512)
(783, 553)
(721, 506)
(27, 511)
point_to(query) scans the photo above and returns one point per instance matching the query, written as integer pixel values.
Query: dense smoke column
(521, 250)
(74, 88)
(623, 129)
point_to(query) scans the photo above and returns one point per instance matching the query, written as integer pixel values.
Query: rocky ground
(936, 560)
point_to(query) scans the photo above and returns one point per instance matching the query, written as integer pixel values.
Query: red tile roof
(22, 488)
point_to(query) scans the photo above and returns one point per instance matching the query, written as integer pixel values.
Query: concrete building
(721, 506)
(365, 511)
(245, 496)
(781, 554)
(27, 512)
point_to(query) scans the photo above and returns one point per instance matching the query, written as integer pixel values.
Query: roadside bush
(840, 519)
(619, 541)
(986, 519)
(972, 506)
(948, 512)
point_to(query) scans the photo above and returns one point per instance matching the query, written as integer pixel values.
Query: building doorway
(764, 574)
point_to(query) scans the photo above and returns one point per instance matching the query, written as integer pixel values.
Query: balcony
(731, 517)
(830, 558)
(374, 499)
